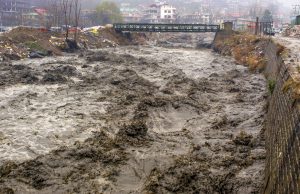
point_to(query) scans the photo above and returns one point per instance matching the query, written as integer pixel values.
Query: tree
(77, 10)
(108, 12)
(267, 17)
(66, 7)
(54, 13)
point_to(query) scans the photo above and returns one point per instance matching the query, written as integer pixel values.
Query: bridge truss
(135, 27)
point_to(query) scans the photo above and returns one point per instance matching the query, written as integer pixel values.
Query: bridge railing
(166, 27)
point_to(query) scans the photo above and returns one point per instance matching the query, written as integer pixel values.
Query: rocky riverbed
(136, 119)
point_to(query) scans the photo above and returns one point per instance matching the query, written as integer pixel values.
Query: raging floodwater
(131, 120)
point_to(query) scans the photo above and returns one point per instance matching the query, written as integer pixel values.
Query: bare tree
(77, 12)
(66, 6)
(54, 13)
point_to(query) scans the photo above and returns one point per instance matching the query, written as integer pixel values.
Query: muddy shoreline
(137, 119)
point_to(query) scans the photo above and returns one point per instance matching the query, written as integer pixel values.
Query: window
(166, 11)
(169, 11)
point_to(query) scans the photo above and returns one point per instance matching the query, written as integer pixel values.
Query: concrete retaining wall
(282, 130)
(282, 127)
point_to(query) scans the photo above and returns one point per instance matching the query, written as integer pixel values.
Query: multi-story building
(160, 12)
(38, 3)
(152, 14)
(11, 11)
(234, 8)
(17, 6)
(196, 18)
(168, 13)
(130, 14)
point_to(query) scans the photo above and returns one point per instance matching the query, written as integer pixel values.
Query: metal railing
(253, 27)
(142, 27)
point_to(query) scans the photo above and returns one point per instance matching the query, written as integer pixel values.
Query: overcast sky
(290, 2)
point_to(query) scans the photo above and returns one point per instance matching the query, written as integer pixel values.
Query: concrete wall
(282, 126)
(282, 130)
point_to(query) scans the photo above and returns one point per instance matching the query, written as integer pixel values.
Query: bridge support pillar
(228, 27)
(224, 34)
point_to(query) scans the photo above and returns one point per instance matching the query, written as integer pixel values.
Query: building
(17, 6)
(234, 9)
(130, 14)
(160, 12)
(38, 3)
(11, 11)
(196, 18)
(151, 14)
(167, 13)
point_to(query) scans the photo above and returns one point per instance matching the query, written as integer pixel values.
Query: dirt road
(131, 120)
(292, 45)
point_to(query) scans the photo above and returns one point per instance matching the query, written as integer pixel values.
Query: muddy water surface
(132, 120)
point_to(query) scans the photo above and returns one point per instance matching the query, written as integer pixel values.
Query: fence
(253, 27)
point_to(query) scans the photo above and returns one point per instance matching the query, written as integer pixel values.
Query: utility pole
(256, 26)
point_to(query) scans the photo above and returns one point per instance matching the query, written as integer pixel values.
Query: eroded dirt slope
(131, 120)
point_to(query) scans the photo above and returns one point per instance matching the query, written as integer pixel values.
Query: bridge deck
(132, 27)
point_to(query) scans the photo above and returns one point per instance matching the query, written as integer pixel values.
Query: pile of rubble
(293, 31)
(24, 42)
(21, 42)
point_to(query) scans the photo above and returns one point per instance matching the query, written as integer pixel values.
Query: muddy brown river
(138, 119)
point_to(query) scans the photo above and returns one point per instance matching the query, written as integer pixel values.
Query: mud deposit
(131, 120)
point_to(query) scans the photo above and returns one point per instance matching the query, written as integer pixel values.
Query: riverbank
(22, 43)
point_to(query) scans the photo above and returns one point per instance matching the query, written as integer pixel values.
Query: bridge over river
(142, 27)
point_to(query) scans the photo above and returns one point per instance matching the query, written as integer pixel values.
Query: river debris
(25, 42)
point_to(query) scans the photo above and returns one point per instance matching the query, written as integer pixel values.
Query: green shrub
(271, 86)
(35, 46)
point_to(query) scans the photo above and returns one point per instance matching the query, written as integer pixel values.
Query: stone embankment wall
(282, 129)
(282, 124)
